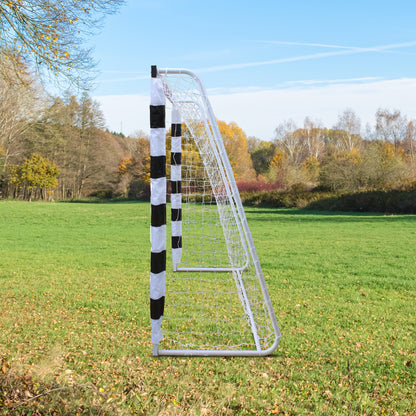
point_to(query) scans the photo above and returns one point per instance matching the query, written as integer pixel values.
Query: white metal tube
(210, 269)
(248, 310)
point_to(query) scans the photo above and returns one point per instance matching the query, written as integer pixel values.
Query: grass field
(75, 333)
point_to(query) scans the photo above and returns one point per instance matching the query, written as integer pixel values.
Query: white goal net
(215, 299)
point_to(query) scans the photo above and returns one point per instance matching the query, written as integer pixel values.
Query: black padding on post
(175, 158)
(157, 307)
(157, 167)
(176, 187)
(158, 215)
(158, 262)
(176, 130)
(176, 214)
(176, 241)
(157, 116)
(154, 71)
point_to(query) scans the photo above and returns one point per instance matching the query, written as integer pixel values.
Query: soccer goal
(207, 291)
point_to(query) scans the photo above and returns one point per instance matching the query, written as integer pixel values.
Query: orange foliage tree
(133, 171)
(236, 146)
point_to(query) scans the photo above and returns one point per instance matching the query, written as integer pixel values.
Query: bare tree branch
(50, 35)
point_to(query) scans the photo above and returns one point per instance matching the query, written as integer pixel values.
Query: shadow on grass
(387, 202)
(358, 205)
(102, 201)
(297, 214)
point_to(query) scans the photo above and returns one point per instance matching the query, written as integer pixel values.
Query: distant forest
(57, 148)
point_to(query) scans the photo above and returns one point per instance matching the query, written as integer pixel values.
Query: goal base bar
(217, 353)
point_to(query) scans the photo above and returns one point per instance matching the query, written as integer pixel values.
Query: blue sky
(262, 62)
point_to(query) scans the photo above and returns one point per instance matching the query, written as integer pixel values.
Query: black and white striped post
(175, 182)
(158, 207)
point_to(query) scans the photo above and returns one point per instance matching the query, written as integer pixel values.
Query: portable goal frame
(239, 268)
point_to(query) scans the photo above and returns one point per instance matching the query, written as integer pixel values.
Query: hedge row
(392, 202)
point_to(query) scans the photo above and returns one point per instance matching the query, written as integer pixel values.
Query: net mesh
(221, 304)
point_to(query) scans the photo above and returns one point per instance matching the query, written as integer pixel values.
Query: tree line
(57, 147)
(342, 158)
(52, 146)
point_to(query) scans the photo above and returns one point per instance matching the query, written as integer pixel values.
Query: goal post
(208, 296)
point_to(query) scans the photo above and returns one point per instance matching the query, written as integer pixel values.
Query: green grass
(74, 317)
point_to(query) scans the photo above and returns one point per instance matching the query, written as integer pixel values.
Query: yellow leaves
(275, 411)
(4, 368)
(124, 166)
(34, 172)
(312, 166)
(389, 152)
(311, 162)
(278, 160)
(355, 156)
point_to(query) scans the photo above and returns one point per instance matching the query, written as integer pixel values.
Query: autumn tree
(90, 121)
(383, 166)
(36, 177)
(409, 147)
(262, 153)
(55, 135)
(391, 126)
(50, 34)
(298, 152)
(20, 105)
(71, 132)
(236, 146)
(346, 134)
(253, 143)
(134, 170)
(313, 139)
(376, 167)
(289, 142)
(341, 172)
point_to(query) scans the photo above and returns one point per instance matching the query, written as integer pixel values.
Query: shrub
(392, 202)
(297, 197)
(102, 194)
(139, 190)
(258, 185)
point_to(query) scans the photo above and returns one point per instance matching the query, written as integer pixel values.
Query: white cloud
(125, 113)
(353, 49)
(258, 112)
(318, 45)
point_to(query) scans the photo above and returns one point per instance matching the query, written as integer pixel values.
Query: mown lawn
(75, 332)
